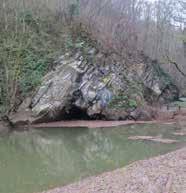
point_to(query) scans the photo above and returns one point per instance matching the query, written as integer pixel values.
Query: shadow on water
(36, 160)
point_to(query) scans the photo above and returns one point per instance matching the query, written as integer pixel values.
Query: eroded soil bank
(88, 124)
(163, 174)
(164, 117)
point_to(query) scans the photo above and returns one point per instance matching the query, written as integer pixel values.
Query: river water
(37, 160)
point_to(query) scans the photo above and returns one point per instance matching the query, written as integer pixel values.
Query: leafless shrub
(122, 26)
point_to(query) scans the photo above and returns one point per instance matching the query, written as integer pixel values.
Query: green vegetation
(25, 58)
(122, 101)
(28, 48)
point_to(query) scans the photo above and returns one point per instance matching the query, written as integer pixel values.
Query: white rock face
(156, 89)
(53, 95)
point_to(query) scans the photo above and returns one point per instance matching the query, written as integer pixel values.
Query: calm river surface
(38, 160)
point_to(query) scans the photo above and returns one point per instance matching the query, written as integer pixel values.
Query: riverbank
(163, 117)
(163, 174)
(95, 124)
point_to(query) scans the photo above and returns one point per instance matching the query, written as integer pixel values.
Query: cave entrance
(75, 113)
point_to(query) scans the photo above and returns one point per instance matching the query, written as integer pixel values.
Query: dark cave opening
(75, 113)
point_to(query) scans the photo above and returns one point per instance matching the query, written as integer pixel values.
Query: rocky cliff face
(94, 85)
(99, 86)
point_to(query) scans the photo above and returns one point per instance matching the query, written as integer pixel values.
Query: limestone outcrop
(96, 85)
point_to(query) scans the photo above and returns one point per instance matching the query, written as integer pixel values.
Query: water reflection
(37, 160)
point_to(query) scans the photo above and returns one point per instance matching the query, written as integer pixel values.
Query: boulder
(23, 116)
(21, 120)
(73, 83)
(158, 85)
(55, 93)
(145, 113)
(115, 114)
(4, 127)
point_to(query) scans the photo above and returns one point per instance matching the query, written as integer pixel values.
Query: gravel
(163, 174)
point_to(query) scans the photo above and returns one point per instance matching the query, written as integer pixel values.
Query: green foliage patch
(27, 54)
(122, 101)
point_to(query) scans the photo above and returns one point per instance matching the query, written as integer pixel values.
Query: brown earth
(88, 124)
(163, 117)
(98, 124)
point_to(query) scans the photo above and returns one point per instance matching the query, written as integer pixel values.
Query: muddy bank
(164, 117)
(163, 174)
(139, 116)
(94, 124)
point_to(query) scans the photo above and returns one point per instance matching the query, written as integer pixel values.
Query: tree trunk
(184, 41)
